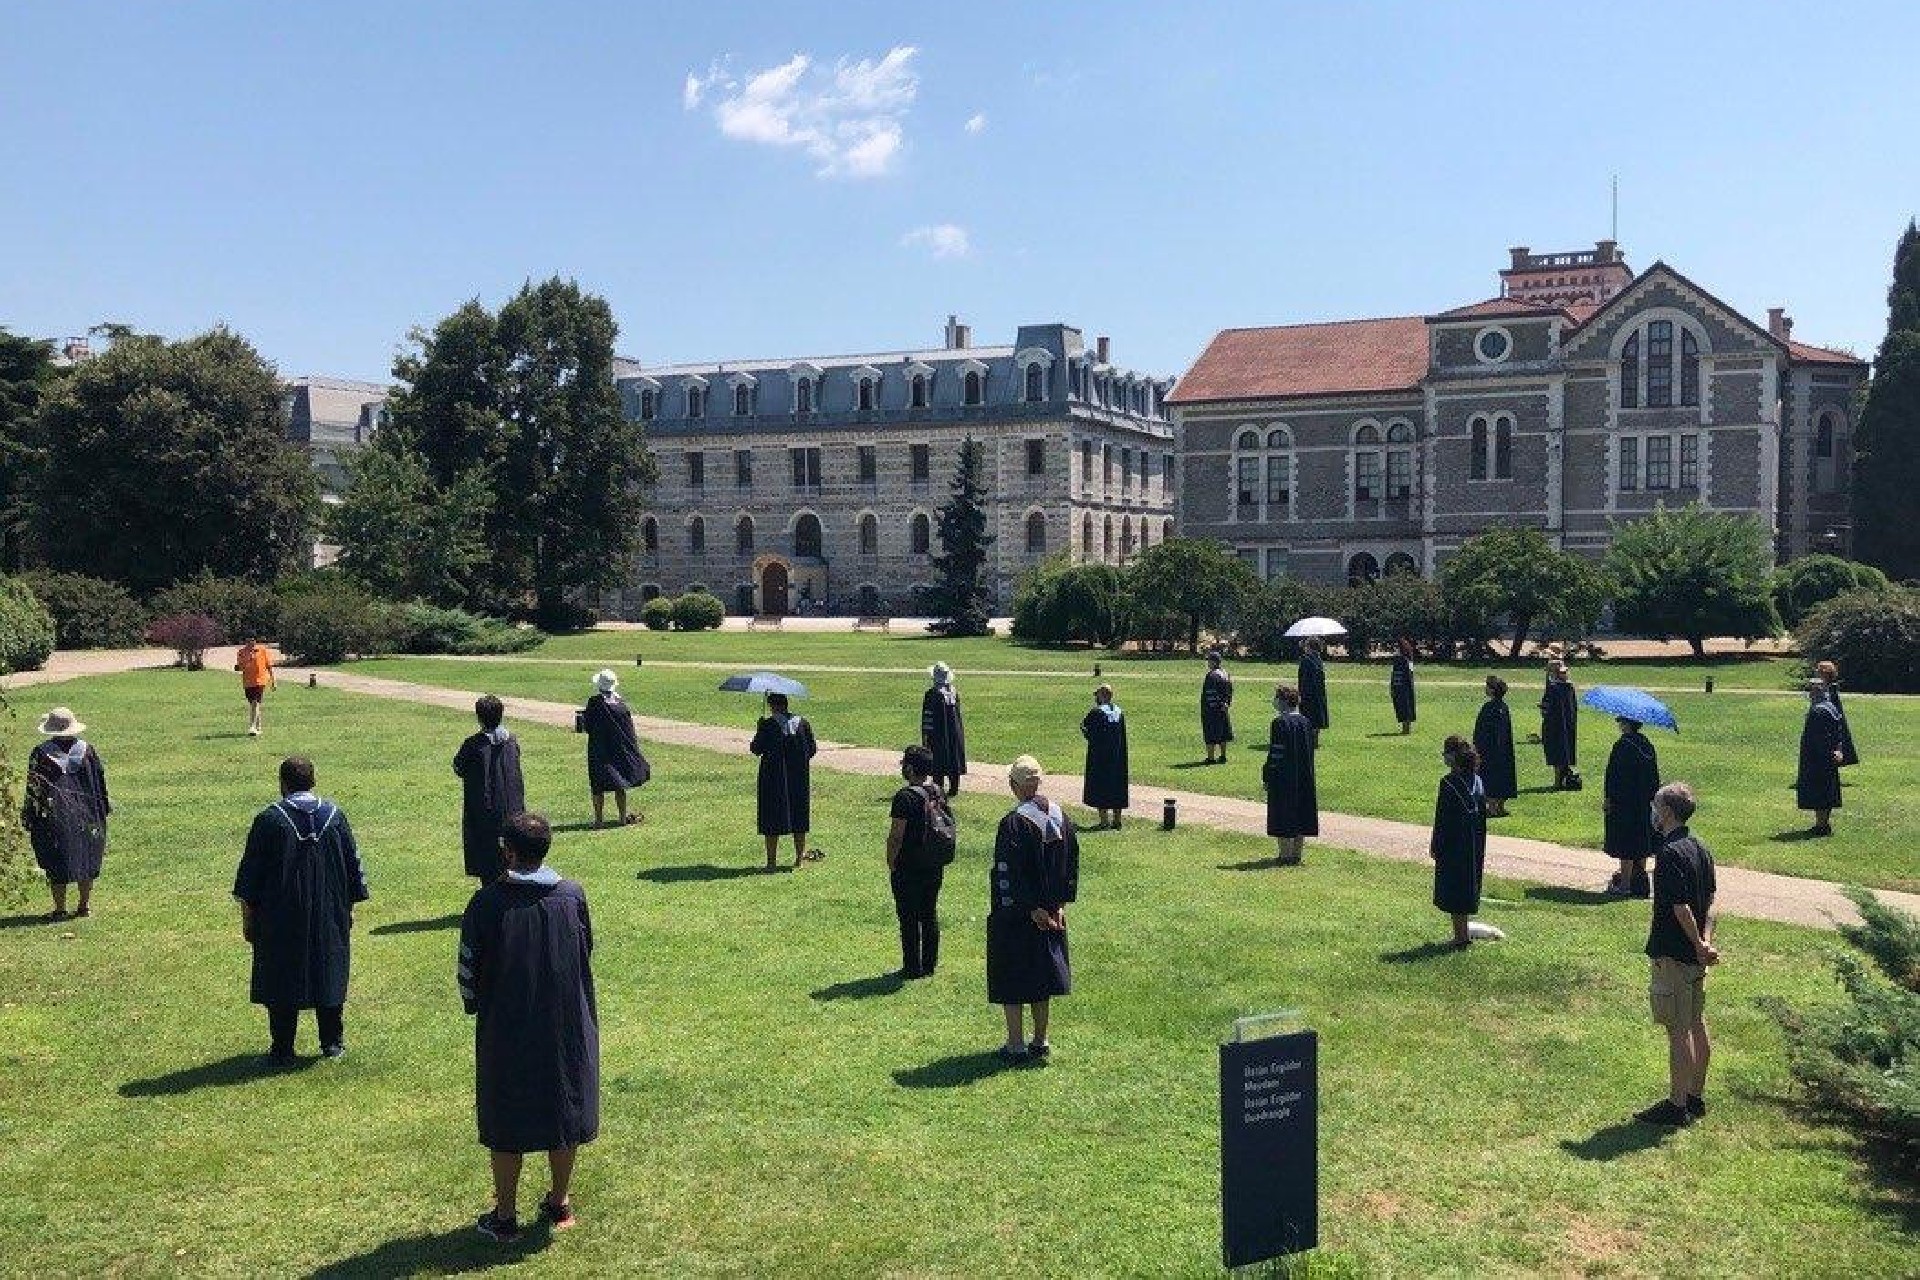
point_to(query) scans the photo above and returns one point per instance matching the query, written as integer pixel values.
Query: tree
(958, 597)
(1693, 573)
(404, 537)
(166, 458)
(1886, 467)
(1801, 584)
(26, 370)
(1519, 574)
(1197, 578)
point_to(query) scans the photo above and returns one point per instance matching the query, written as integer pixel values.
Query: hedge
(88, 613)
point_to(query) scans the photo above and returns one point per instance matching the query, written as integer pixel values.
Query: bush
(1059, 603)
(698, 611)
(330, 624)
(425, 628)
(189, 635)
(88, 613)
(245, 610)
(1801, 584)
(26, 628)
(1873, 635)
(657, 614)
(1275, 607)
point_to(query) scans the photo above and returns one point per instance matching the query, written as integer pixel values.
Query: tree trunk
(1699, 646)
(1193, 632)
(1521, 626)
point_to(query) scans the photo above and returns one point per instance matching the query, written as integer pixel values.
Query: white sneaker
(253, 731)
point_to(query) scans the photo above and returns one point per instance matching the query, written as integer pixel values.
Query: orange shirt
(255, 665)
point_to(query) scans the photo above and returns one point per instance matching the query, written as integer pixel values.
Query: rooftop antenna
(1615, 233)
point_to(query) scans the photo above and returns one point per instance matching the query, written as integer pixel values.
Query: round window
(1492, 345)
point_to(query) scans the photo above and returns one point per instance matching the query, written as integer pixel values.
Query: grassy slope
(1471, 1114)
(1739, 749)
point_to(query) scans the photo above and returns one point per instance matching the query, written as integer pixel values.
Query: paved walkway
(71, 664)
(1757, 894)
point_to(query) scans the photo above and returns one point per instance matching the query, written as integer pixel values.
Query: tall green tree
(401, 535)
(1198, 579)
(163, 459)
(1693, 573)
(26, 370)
(958, 597)
(1886, 467)
(1518, 574)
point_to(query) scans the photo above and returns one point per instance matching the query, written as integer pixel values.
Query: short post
(1709, 684)
(1096, 671)
(1169, 812)
(637, 660)
(313, 679)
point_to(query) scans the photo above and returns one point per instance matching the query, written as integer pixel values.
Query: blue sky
(323, 177)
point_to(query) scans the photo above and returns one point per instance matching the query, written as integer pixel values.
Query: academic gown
(943, 732)
(1459, 844)
(1216, 708)
(1493, 739)
(614, 762)
(1633, 775)
(1817, 785)
(526, 974)
(1293, 805)
(301, 874)
(491, 792)
(1313, 690)
(1848, 756)
(785, 745)
(1559, 725)
(1400, 688)
(66, 809)
(1036, 863)
(1105, 783)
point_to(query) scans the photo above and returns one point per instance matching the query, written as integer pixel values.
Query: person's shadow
(1570, 896)
(884, 984)
(1252, 864)
(454, 1252)
(1794, 837)
(416, 926)
(953, 1072)
(698, 873)
(22, 922)
(1615, 1140)
(239, 1068)
(1413, 955)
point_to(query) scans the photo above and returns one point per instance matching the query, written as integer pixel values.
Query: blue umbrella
(763, 682)
(1633, 704)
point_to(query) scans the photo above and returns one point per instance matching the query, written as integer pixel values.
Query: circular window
(1492, 345)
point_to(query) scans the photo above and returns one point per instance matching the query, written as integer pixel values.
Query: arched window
(868, 394)
(1279, 473)
(1086, 537)
(696, 401)
(1106, 539)
(1689, 368)
(697, 535)
(919, 534)
(1126, 539)
(1166, 529)
(973, 386)
(1366, 463)
(1503, 447)
(1036, 534)
(742, 400)
(869, 599)
(1246, 475)
(803, 396)
(919, 385)
(1036, 381)
(806, 536)
(1146, 534)
(1400, 460)
(1477, 448)
(869, 535)
(649, 592)
(1630, 373)
(1362, 569)
(1823, 437)
(743, 536)
(1400, 564)
(650, 534)
(1659, 363)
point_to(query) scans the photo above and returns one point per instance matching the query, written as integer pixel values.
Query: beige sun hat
(605, 681)
(60, 723)
(1026, 769)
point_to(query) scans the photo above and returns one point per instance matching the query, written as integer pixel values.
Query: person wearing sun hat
(614, 762)
(66, 810)
(942, 730)
(1036, 873)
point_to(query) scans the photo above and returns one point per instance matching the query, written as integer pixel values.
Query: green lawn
(773, 1108)
(1738, 749)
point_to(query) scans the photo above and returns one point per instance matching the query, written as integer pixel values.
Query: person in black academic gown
(66, 810)
(1036, 873)
(1458, 846)
(1560, 725)
(784, 743)
(1817, 784)
(1493, 740)
(488, 766)
(1400, 686)
(1313, 686)
(1828, 673)
(614, 762)
(297, 885)
(941, 729)
(526, 975)
(1216, 709)
(1633, 775)
(1293, 805)
(1104, 788)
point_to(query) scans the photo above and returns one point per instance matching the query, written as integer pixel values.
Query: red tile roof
(1806, 354)
(1494, 308)
(1341, 357)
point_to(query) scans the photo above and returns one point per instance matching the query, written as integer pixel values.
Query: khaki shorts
(1678, 991)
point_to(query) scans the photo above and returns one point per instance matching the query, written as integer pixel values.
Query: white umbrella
(1315, 627)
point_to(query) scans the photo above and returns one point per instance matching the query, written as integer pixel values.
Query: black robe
(1293, 804)
(1848, 755)
(66, 809)
(1313, 690)
(1216, 708)
(1105, 782)
(942, 731)
(1036, 863)
(1459, 844)
(1493, 739)
(1400, 688)
(784, 745)
(1633, 775)
(1817, 784)
(525, 972)
(1560, 725)
(301, 875)
(491, 792)
(614, 762)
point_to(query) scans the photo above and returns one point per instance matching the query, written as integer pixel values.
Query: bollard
(1167, 813)
(1709, 684)
(313, 679)
(637, 660)
(1096, 671)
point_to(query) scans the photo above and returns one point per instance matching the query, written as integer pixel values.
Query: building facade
(330, 418)
(1581, 395)
(814, 484)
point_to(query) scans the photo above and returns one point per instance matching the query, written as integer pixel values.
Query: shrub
(1873, 635)
(1801, 584)
(329, 624)
(657, 614)
(243, 609)
(88, 613)
(26, 628)
(698, 611)
(1275, 607)
(189, 635)
(1059, 603)
(425, 628)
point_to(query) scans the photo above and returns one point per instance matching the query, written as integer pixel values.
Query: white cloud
(977, 122)
(848, 118)
(942, 240)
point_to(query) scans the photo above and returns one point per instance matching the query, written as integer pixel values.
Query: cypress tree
(959, 597)
(1886, 470)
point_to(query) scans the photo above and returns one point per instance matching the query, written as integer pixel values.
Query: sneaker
(278, 1059)
(333, 1051)
(1618, 888)
(1039, 1049)
(1014, 1054)
(496, 1228)
(1696, 1106)
(253, 733)
(1665, 1114)
(558, 1216)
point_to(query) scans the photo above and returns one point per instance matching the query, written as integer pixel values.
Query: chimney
(1778, 324)
(1519, 254)
(1606, 250)
(1100, 349)
(953, 332)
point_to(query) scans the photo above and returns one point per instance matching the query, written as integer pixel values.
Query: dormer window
(868, 394)
(919, 391)
(803, 396)
(649, 405)
(974, 386)
(742, 400)
(696, 401)
(1036, 383)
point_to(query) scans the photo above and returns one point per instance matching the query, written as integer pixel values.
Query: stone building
(1580, 395)
(813, 484)
(332, 417)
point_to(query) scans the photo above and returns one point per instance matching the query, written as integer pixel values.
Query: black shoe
(1696, 1106)
(496, 1228)
(278, 1059)
(1012, 1056)
(1665, 1114)
(1038, 1051)
(1642, 887)
(558, 1216)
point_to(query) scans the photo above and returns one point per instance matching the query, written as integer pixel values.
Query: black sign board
(1269, 1147)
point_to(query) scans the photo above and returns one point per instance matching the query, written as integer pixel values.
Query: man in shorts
(254, 662)
(1680, 945)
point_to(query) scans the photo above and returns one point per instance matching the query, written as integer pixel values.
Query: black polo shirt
(1682, 872)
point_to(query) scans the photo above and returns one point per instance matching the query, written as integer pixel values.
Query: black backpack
(941, 838)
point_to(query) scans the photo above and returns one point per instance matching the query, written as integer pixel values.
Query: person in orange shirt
(254, 662)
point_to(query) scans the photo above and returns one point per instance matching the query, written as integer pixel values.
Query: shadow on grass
(22, 922)
(240, 1068)
(1194, 764)
(699, 873)
(612, 824)
(1795, 837)
(884, 984)
(1414, 955)
(417, 926)
(955, 1071)
(222, 737)
(1616, 1140)
(1569, 896)
(1251, 864)
(1547, 790)
(438, 1253)
(1391, 733)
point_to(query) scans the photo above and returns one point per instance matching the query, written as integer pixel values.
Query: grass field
(1738, 748)
(774, 1106)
